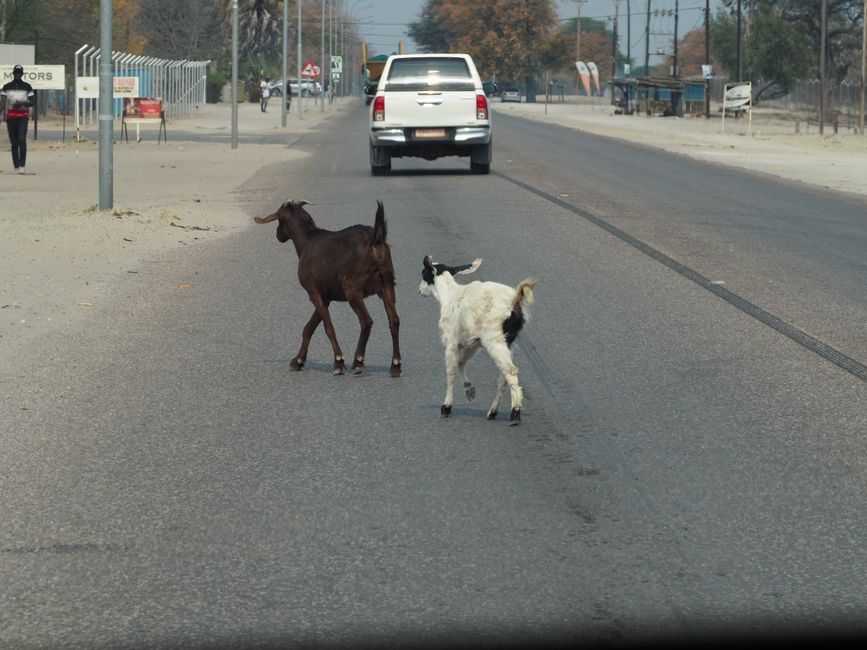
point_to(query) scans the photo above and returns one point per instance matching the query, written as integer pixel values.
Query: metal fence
(180, 84)
(804, 96)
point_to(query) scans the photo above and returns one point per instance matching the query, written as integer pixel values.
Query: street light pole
(823, 48)
(105, 110)
(325, 66)
(863, 63)
(234, 74)
(300, 85)
(285, 83)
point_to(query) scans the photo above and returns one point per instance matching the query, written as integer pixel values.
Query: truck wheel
(380, 160)
(480, 158)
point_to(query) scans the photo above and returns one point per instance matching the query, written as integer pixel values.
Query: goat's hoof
(492, 415)
(339, 367)
(357, 368)
(470, 390)
(297, 364)
(515, 417)
(445, 411)
(394, 371)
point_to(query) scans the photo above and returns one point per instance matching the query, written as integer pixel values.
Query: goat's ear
(466, 269)
(428, 262)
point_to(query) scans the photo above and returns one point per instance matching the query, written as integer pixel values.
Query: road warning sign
(308, 70)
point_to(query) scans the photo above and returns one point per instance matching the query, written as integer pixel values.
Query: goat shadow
(328, 367)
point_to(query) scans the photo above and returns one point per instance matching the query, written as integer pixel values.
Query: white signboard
(337, 63)
(88, 87)
(737, 94)
(41, 77)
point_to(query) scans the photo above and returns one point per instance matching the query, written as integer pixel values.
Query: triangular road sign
(308, 71)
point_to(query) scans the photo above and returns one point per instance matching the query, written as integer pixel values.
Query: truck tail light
(379, 109)
(481, 107)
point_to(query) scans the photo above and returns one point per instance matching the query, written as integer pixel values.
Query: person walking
(266, 93)
(16, 98)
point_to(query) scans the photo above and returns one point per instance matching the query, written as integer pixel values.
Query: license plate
(430, 133)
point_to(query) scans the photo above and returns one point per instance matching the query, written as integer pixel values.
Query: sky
(383, 23)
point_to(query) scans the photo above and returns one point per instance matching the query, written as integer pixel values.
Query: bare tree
(182, 29)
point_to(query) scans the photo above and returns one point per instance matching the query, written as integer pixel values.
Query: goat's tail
(380, 227)
(524, 293)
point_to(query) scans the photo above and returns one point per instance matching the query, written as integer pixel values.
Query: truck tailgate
(430, 108)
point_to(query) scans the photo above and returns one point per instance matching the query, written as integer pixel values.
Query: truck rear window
(430, 74)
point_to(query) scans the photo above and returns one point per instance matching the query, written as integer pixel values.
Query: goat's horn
(267, 219)
(302, 203)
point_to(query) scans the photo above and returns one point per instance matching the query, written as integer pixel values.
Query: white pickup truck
(429, 106)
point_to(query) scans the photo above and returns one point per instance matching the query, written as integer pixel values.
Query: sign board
(707, 70)
(337, 63)
(12, 53)
(142, 108)
(626, 69)
(307, 70)
(738, 94)
(88, 87)
(41, 77)
(125, 86)
(738, 97)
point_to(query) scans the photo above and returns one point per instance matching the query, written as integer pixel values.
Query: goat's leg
(465, 353)
(366, 323)
(307, 334)
(495, 405)
(322, 309)
(390, 300)
(451, 373)
(502, 357)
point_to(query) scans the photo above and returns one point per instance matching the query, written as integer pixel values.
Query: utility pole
(285, 62)
(738, 46)
(863, 64)
(823, 51)
(674, 67)
(707, 57)
(300, 84)
(629, 33)
(105, 108)
(614, 47)
(326, 65)
(578, 4)
(647, 43)
(234, 74)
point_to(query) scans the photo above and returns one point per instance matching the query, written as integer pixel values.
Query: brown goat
(344, 265)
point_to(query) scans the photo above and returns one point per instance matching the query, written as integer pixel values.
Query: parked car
(429, 106)
(308, 87)
(511, 94)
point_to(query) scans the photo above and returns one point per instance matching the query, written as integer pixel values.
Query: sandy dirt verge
(60, 254)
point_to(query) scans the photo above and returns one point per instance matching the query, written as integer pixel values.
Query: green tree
(780, 41)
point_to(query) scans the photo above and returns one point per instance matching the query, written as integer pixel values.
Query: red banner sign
(142, 108)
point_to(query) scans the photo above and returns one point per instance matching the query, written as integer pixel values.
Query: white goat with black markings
(478, 314)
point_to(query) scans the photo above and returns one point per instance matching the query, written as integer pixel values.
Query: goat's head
(432, 269)
(286, 213)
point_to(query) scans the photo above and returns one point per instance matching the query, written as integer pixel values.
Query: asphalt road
(691, 462)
